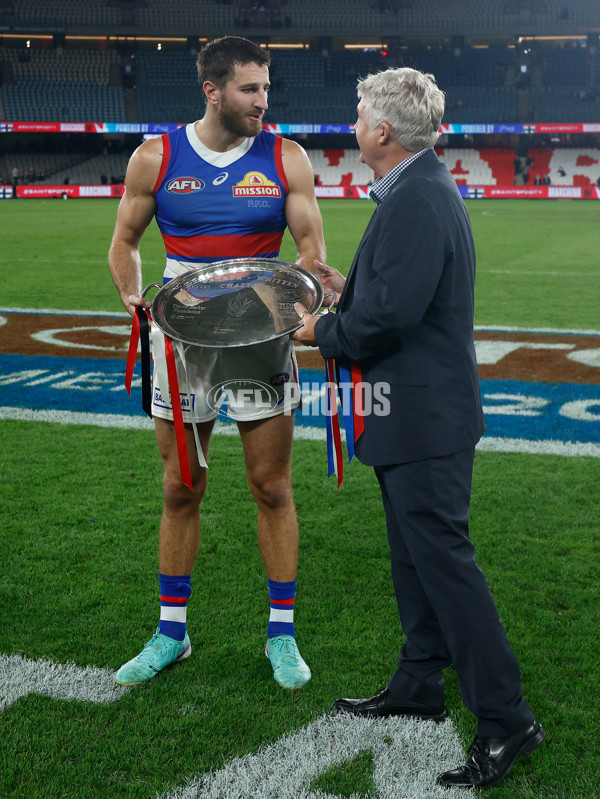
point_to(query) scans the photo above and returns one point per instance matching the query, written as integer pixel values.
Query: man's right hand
(332, 281)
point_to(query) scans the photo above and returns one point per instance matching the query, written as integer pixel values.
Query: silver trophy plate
(235, 303)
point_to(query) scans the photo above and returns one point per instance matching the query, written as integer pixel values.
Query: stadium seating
(339, 168)
(60, 14)
(490, 167)
(65, 85)
(92, 171)
(42, 100)
(310, 17)
(167, 86)
(342, 167)
(581, 167)
(481, 85)
(53, 166)
(508, 81)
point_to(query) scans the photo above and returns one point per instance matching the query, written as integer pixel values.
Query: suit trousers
(447, 612)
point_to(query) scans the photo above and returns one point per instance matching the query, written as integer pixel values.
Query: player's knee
(273, 493)
(178, 496)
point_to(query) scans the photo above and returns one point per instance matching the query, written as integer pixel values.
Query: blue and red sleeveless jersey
(209, 213)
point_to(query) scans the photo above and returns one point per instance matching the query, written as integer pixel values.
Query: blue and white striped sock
(281, 619)
(174, 594)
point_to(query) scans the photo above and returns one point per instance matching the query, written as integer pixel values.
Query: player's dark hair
(217, 60)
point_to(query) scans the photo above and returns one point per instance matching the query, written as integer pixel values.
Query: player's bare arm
(135, 213)
(301, 209)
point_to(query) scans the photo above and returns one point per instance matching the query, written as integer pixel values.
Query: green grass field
(80, 512)
(537, 260)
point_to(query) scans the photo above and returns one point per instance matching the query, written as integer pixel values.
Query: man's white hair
(409, 101)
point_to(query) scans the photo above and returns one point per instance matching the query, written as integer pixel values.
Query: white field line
(123, 422)
(64, 312)
(517, 272)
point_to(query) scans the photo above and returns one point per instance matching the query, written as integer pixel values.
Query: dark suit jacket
(406, 316)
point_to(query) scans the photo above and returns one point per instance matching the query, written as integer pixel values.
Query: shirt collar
(381, 186)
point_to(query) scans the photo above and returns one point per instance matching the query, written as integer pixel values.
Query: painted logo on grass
(406, 754)
(540, 388)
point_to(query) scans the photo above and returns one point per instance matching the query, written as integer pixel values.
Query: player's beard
(237, 123)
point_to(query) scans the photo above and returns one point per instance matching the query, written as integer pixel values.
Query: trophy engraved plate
(236, 302)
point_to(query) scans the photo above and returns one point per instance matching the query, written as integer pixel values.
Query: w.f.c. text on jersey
(208, 212)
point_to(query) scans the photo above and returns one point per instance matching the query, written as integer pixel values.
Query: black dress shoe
(382, 705)
(492, 759)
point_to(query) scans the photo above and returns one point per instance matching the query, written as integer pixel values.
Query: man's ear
(211, 92)
(385, 133)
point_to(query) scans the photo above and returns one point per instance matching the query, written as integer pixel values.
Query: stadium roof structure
(305, 18)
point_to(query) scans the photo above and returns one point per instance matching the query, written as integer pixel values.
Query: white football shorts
(242, 383)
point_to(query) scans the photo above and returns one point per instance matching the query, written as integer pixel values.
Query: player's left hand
(306, 333)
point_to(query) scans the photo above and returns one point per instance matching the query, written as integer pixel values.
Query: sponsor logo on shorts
(255, 184)
(188, 401)
(184, 185)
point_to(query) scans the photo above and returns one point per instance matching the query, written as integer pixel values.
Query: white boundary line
(547, 330)
(58, 312)
(123, 422)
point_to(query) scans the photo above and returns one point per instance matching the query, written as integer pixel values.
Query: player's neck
(215, 136)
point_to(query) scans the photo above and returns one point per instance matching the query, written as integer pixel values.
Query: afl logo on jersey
(184, 185)
(255, 184)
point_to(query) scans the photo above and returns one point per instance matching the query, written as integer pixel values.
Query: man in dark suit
(405, 320)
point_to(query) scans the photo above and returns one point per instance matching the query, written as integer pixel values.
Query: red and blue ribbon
(332, 423)
(140, 334)
(350, 389)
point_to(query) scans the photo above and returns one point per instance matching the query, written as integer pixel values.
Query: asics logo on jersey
(255, 184)
(220, 178)
(184, 185)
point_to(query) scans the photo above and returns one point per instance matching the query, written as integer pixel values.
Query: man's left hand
(306, 333)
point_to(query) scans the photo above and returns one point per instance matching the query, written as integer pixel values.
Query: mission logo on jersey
(184, 185)
(255, 184)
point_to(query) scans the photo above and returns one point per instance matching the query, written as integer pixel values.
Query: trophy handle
(150, 286)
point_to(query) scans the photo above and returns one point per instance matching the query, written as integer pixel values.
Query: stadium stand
(493, 167)
(99, 169)
(307, 17)
(60, 15)
(50, 167)
(500, 78)
(567, 166)
(68, 85)
(482, 86)
(341, 167)
(167, 87)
